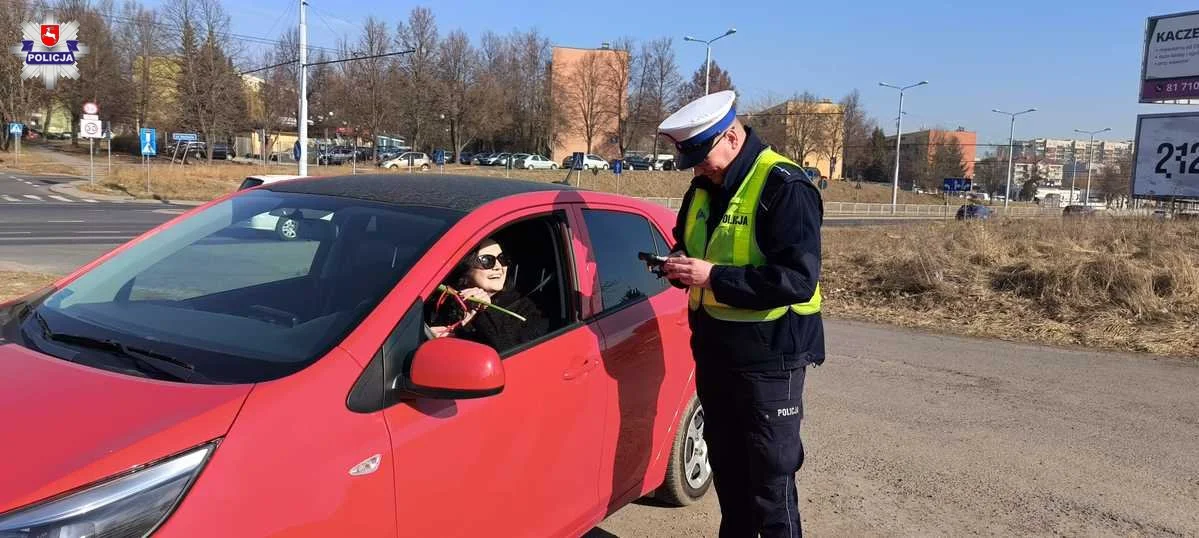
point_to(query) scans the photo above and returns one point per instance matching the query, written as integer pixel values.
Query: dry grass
(39, 163)
(1129, 285)
(14, 284)
(178, 182)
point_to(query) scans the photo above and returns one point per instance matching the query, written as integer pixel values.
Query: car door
(524, 462)
(643, 322)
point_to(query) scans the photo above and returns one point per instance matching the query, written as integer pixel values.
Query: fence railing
(901, 210)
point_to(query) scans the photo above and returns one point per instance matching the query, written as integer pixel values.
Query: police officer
(748, 251)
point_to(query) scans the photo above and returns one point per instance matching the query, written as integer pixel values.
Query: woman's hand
(475, 294)
(441, 332)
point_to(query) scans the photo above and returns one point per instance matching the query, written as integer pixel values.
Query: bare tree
(621, 65)
(211, 94)
(369, 100)
(530, 57)
(831, 139)
(100, 77)
(418, 71)
(18, 97)
(662, 83)
(459, 64)
(856, 134)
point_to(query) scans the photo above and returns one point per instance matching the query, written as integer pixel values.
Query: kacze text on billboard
(1170, 67)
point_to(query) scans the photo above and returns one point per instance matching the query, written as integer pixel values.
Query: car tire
(605, 166)
(424, 167)
(288, 229)
(553, 167)
(689, 472)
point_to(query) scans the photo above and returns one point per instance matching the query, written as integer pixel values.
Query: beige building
(587, 91)
(809, 132)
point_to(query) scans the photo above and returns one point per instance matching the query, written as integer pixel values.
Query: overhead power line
(340, 60)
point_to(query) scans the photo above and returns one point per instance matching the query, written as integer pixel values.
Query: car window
(250, 182)
(225, 291)
(616, 238)
(532, 284)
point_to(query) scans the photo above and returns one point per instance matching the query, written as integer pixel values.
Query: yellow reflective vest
(734, 242)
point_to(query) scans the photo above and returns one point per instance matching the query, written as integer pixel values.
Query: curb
(72, 189)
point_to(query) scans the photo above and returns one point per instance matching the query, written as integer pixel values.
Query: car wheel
(553, 167)
(605, 166)
(287, 228)
(689, 472)
(392, 167)
(424, 167)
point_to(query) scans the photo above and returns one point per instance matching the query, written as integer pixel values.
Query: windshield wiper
(149, 362)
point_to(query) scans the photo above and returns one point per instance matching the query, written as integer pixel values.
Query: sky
(1078, 62)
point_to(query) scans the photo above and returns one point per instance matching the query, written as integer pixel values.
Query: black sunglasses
(487, 261)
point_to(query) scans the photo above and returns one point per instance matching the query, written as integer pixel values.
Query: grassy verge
(1128, 285)
(179, 182)
(17, 283)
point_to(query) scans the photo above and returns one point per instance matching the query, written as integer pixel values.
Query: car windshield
(250, 289)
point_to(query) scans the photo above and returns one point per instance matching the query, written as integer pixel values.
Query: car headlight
(130, 505)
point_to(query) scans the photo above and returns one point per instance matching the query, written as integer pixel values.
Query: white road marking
(103, 232)
(88, 201)
(8, 198)
(15, 233)
(61, 199)
(63, 221)
(32, 197)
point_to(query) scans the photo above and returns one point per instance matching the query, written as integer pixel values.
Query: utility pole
(1011, 144)
(302, 124)
(1086, 200)
(898, 136)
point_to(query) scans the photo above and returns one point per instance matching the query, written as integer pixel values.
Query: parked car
(284, 224)
(388, 153)
(480, 159)
(494, 159)
(222, 386)
(511, 158)
(414, 159)
(336, 155)
(1078, 211)
(591, 161)
(973, 212)
(465, 157)
(535, 162)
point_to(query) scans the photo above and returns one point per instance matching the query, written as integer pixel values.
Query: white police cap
(694, 128)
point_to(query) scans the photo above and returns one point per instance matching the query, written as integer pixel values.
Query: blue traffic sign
(148, 139)
(185, 137)
(617, 167)
(956, 184)
(14, 128)
(295, 151)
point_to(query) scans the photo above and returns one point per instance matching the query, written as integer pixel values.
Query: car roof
(449, 191)
(271, 178)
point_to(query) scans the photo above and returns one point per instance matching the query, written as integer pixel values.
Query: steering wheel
(277, 316)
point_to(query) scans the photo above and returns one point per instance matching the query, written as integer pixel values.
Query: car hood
(67, 425)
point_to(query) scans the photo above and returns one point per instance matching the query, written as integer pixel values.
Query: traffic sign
(91, 108)
(91, 128)
(295, 151)
(956, 184)
(14, 128)
(618, 166)
(185, 137)
(149, 141)
(1166, 154)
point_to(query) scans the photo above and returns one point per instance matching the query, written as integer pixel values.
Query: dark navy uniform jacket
(788, 233)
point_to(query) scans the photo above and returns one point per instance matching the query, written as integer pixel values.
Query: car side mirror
(454, 369)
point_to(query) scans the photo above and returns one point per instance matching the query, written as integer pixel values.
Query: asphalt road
(912, 434)
(41, 230)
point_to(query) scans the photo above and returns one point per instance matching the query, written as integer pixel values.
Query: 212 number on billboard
(1177, 153)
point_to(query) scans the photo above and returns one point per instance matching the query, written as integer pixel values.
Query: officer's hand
(689, 271)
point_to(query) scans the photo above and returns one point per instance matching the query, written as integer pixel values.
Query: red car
(212, 379)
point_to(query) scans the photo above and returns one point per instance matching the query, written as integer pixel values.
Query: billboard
(1166, 164)
(1170, 66)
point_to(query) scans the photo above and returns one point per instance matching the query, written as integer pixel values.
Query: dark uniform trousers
(751, 425)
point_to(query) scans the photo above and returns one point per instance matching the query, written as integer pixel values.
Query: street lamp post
(1086, 200)
(1007, 193)
(898, 137)
(708, 55)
